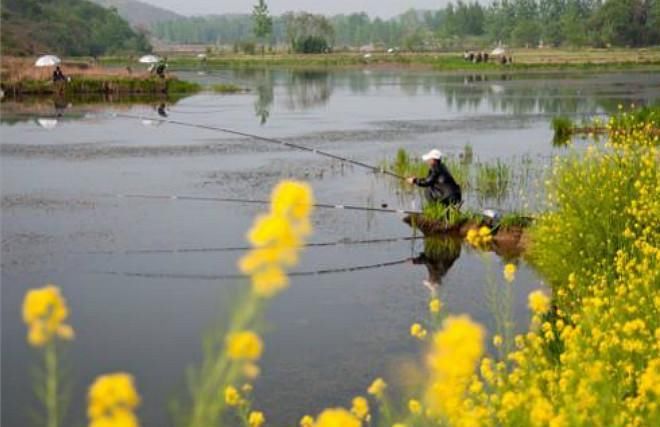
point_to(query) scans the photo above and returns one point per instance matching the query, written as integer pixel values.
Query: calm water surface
(330, 334)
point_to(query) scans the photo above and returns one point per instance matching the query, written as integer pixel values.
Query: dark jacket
(441, 186)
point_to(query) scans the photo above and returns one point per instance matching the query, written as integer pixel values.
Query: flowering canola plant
(113, 399)
(45, 312)
(277, 237)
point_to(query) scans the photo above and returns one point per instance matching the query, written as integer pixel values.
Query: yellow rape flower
(244, 345)
(277, 238)
(509, 272)
(538, 302)
(435, 305)
(337, 417)
(232, 396)
(292, 198)
(251, 371)
(45, 312)
(112, 398)
(415, 407)
(377, 388)
(256, 419)
(455, 352)
(418, 331)
(360, 407)
(307, 421)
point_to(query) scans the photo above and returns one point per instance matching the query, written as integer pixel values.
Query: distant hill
(139, 14)
(66, 27)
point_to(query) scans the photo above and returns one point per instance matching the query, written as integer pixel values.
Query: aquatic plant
(492, 180)
(563, 130)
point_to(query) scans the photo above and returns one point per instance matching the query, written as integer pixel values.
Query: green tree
(263, 23)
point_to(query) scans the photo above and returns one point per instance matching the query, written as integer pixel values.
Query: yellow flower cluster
(360, 408)
(377, 388)
(509, 272)
(480, 238)
(418, 331)
(233, 396)
(337, 417)
(435, 305)
(45, 313)
(277, 238)
(594, 359)
(455, 351)
(112, 401)
(256, 419)
(539, 303)
(244, 345)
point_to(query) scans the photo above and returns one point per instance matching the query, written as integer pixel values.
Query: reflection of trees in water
(359, 82)
(265, 95)
(308, 88)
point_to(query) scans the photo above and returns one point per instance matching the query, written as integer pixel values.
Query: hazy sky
(382, 8)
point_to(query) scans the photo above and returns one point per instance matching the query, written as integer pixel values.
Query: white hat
(433, 154)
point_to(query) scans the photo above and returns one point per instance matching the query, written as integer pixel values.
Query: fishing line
(263, 139)
(241, 276)
(259, 202)
(246, 248)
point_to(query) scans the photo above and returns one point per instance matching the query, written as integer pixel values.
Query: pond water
(330, 334)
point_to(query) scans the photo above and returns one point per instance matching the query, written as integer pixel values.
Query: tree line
(67, 27)
(596, 23)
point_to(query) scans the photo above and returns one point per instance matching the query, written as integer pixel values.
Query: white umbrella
(47, 123)
(498, 51)
(47, 61)
(201, 55)
(149, 59)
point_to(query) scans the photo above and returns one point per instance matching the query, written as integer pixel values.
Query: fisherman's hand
(410, 180)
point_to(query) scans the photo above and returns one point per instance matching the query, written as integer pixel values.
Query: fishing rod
(184, 276)
(246, 248)
(262, 202)
(374, 169)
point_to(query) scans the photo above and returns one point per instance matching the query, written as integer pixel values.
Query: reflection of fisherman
(161, 110)
(60, 105)
(439, 256)
(439, 184)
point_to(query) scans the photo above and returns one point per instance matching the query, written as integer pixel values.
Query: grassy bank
(523, 60)
(19, 77)
(81, 85)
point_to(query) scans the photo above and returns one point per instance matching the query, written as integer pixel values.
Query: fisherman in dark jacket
(439, 184)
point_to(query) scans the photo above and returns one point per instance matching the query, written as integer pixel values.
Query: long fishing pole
(185, 276)
(246, 248)
(374, 169)
(261, 202)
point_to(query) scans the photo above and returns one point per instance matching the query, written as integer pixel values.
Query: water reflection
(308, 89)
(439, 254)
(505, 93)
(265, 96)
